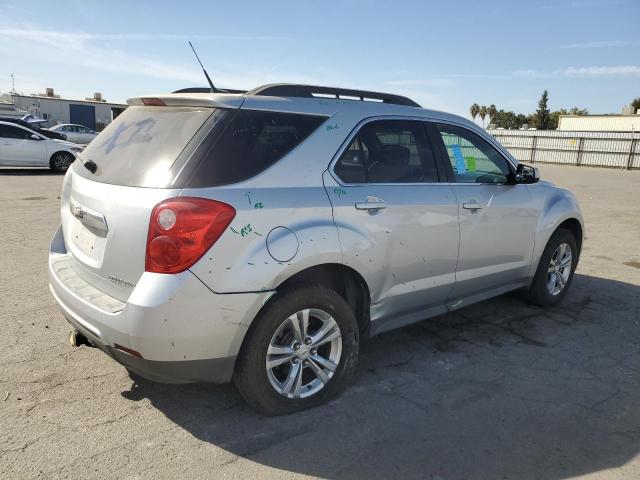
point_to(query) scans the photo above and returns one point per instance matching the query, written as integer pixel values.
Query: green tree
(492, 111)
(635, 104)
(577, 111)
(474, 110)
(483, 114)
(542, 116)
(554, 118)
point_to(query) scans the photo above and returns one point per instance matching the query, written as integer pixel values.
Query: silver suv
(258, 236)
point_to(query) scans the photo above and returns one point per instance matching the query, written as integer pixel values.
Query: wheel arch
(344, 280)
(575, 227)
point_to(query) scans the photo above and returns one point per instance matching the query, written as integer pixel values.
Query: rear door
(398, 224)
(497, 220)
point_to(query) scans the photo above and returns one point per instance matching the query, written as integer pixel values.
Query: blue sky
(445, 55)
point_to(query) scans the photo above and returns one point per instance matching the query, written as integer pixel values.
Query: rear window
(142, 146)
(246, 143)
(192, 147)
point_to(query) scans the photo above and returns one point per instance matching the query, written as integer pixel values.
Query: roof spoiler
(194, 99)
(206, 90)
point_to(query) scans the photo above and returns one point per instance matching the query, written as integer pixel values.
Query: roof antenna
(213, 88)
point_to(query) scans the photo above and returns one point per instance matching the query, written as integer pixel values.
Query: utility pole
(13, 84)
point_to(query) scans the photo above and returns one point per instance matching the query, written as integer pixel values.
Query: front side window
(388, 151)
(7, 131)
(472, 158)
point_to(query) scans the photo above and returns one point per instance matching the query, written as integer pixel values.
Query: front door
(398, 224)
(497, 219)
(19, 149)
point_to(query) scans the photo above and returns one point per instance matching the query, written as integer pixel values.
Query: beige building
(93, 112)
(599, 123)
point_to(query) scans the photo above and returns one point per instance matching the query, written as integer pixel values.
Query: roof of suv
(295, 98)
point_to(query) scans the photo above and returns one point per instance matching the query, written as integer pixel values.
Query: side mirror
(34, 137)
(526, 174)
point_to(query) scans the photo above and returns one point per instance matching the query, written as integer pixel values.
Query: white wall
(600, 123)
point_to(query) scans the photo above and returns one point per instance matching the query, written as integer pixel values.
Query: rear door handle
(472, 205)
(372, 203)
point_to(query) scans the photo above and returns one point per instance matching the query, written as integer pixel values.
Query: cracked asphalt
(499, 390)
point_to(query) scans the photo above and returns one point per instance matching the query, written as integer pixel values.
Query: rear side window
(388, 151)
(248, 143)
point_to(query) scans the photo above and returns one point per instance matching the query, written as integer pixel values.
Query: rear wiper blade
(90, 165)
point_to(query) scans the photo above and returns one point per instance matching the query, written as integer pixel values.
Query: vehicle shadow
(18, 171)
(502, 389)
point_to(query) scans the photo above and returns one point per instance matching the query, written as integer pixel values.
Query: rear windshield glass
(141, 146)
(246, 143)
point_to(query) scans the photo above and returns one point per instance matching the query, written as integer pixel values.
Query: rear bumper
(183, 331)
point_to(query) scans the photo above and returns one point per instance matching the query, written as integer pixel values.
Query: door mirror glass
(527, 174)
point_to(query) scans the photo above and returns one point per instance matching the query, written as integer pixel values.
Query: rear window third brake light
(153, 102)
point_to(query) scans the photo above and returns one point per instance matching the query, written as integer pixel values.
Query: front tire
(61, 161)
(555, 270)
(301, 351)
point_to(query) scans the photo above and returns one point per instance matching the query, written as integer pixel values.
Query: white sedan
(75, 133)
(22, 147)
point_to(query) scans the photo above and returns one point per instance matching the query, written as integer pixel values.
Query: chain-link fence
(597, 149)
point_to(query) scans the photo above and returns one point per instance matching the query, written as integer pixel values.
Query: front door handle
(472, 205)
(372, 203)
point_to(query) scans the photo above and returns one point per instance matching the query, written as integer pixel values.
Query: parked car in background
(35, 127)
(23, 147)
(257, 237)
(75, 133)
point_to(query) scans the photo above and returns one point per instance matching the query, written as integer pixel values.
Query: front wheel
(555, 270)
(301, 351)
(61, 161)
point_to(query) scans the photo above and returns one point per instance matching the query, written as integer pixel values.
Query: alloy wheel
(304, 353)
(559, 268)
(62, 161)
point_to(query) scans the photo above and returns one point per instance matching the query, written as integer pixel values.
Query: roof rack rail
(206, 90)
(311, 91)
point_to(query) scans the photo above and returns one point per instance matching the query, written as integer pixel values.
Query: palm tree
(474, 110)
(482, 113)
(492, 111)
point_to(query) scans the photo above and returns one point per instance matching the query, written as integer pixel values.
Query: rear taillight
(181, 230)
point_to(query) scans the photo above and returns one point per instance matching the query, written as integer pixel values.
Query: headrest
(395, 155)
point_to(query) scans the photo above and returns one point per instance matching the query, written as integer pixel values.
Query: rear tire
(282, 368)
(61, 161)
(555, 270)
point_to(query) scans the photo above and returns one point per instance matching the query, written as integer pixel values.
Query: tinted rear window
(142, 146)
(246, 143)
